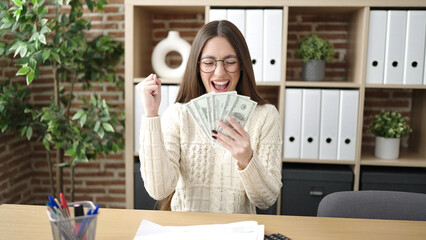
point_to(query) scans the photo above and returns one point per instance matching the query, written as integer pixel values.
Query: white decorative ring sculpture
(173, 42)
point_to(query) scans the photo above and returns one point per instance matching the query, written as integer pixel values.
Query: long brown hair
(192, 86)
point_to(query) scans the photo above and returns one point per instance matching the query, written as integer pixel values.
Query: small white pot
(387, 148)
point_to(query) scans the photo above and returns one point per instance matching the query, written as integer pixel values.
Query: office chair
(374, 205)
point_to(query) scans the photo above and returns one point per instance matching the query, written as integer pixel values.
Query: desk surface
(31, 222)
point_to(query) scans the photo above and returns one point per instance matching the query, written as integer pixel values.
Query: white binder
(138, 112)
(329, 124)
(238, 18)
(254, 38)
(309, 146)
(217, 14)
(415, 47)
(376, 46)
(173, 91)
(348, 119)
(293, 121)
(272, 40)
(395, 46)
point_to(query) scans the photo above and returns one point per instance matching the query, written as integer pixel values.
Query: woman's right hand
(150, 92)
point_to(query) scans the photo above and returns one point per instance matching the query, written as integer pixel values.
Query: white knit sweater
(176, 155)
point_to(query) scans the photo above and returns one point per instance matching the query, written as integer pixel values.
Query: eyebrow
(228, 56)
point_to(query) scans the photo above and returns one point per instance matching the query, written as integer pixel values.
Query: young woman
(177, 157)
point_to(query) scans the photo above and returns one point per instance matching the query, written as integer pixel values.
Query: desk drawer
(305, 185)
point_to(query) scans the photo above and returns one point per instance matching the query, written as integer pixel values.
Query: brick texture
(334, 27)
(24, 176)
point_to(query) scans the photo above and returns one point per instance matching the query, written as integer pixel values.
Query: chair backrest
(374, 205)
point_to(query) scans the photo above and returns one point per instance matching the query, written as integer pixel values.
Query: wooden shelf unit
(138, 44)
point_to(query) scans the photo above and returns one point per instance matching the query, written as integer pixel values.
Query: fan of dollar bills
(211, 107)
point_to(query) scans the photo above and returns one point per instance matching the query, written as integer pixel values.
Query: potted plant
(389, 127)
(35, 40)
(314, 52)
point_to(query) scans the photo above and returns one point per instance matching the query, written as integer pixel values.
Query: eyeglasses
(208, 64)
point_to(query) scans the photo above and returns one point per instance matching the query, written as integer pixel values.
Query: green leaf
(46, 143)
(42, 39)
(23, 50)
(55, 56)
(23, 70)
(2, 48)
(43, 22)
(97, 126)
(70, 152)
(90, 5)
(101, 133)
(30, 77)
(108, 127)
(44, 30)
(6, 25)
(78, 115)
(93, 99)
(83, 120)
(23, 131)
(22, 61)
(33, 63)
(18, 3)
(29, 132)
(34, 36)
(45, 55)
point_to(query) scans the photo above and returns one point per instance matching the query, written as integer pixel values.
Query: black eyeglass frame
(215, 64)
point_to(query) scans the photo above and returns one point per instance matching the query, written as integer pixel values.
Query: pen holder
(74, 228)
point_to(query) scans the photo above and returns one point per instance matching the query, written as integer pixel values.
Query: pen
(96, 209)
(64, 204)
(84, 225)
(53, 202)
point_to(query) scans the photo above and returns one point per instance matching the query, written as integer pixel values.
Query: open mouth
(220, 86)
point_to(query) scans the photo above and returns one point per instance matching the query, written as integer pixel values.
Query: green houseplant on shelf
(35, 39)
(389, 127)
(314, 52)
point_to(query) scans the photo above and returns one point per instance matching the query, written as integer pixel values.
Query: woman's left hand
(238, 143)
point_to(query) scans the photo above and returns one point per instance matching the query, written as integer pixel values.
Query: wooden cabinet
(349, 70)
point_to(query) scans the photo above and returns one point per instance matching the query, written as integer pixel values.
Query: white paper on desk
(246, 230)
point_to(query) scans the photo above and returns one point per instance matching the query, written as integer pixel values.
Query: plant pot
(313, 70)
(387, 148)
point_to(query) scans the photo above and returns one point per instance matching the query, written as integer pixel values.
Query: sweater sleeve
(159, 153)
(262, 176)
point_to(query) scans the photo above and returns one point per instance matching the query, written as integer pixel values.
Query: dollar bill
(240, 111)
(202, 105)
(219, 103)
(207, 109)
(197, 118)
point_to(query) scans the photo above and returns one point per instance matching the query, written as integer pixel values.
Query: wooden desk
(31, 222)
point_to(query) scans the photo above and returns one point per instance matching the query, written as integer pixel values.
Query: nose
(220, 66)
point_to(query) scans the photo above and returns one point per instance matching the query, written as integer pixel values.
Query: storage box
(305, 185)
(142, 199)
(393, 179)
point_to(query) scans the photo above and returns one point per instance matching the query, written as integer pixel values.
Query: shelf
(392, 86)
(163, 80)
(318, 161)
(407, 158)
(322, 84)
(344, 23)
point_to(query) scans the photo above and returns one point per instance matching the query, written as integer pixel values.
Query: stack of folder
(320, 124)
(262, 29)
(396, 47)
